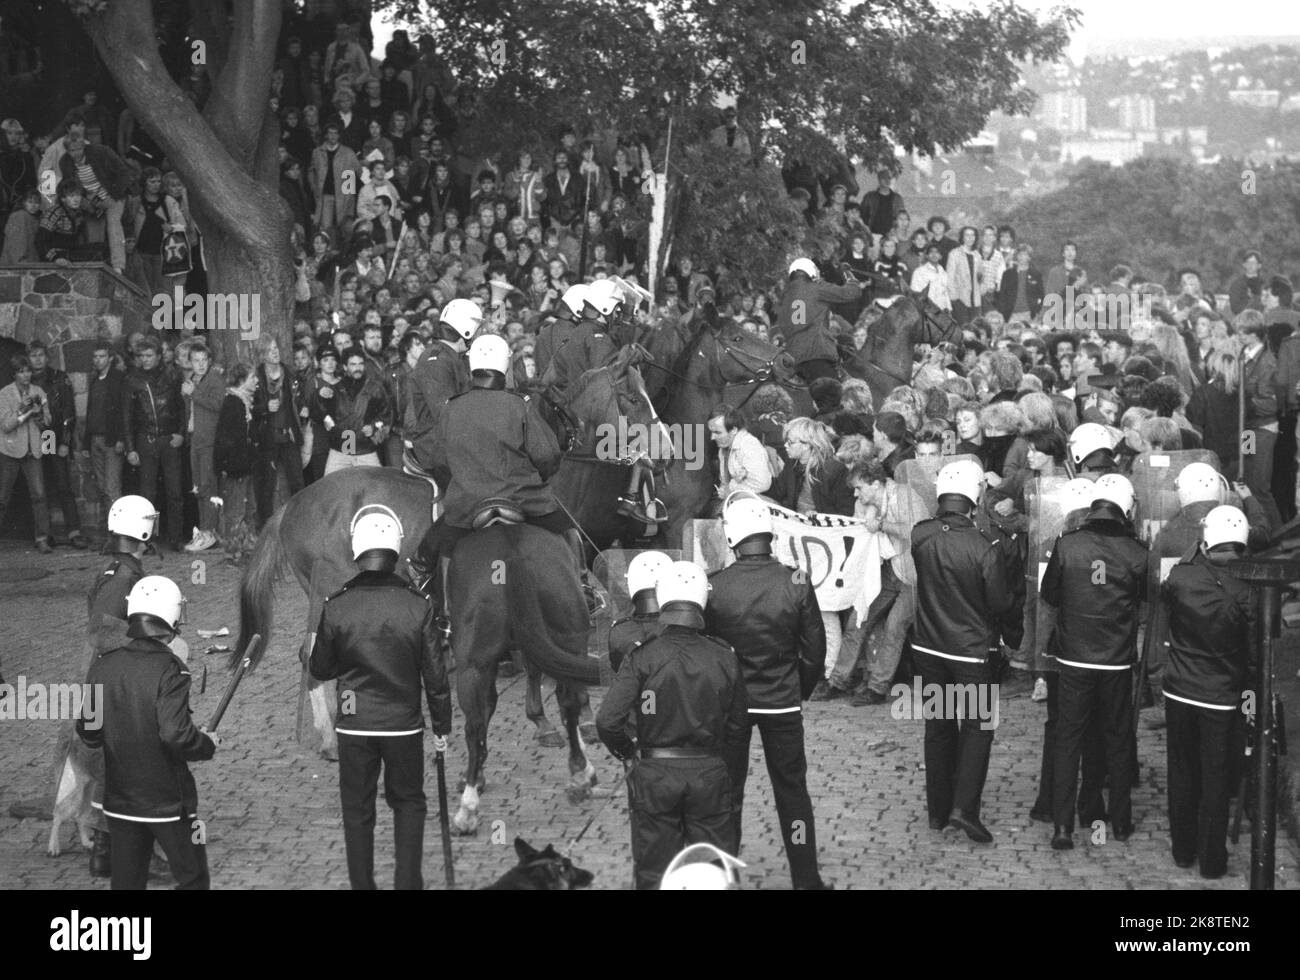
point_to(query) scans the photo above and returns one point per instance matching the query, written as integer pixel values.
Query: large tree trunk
(226, 156)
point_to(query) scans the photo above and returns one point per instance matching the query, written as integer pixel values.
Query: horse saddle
(496, 510)
(411, 467)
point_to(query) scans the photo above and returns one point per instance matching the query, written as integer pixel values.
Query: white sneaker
(208, 540)
(193, 543)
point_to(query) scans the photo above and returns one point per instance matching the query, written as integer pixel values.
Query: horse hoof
(554, 739)
(588, 731)
(578, 794)
(466, 824)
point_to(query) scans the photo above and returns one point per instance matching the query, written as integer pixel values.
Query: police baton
(444, 824)
(250, 651)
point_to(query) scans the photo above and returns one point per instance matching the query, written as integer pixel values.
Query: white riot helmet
(1076, 495)
(463, 316)
(1114, 489)
(133, 517)
(375, 526)
(644, 570)
(1199, 482)
(157, 596)
(807, 266)
(489, 353)
(693, 869)
(682, 581)
(1087, 439)
(1225, 525)
(574, 297)
(964, 477)
(604, 297)
(743, 517)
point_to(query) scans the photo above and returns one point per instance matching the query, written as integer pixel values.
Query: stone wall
(69, 308)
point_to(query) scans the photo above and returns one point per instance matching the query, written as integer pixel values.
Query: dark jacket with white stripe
(1210, 620)
(962, 588)
(769, 614)
(378, 638)
(146, 733)
(1097, 579)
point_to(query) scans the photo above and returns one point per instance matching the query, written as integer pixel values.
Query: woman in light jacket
(965, 273)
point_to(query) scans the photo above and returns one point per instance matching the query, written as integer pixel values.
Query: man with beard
(359, 420)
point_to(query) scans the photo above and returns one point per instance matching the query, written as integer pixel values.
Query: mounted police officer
(143, 725)
(963, 589)
(562, 328)
(441, 374)
(770, 616)
(132, 524)
(1096, 579)
(804, 319)
(630, 632)
(1210, 620)
(684, 694)
(378, 638)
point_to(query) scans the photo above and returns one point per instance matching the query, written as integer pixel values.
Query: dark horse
(309, 534)
(894, 328)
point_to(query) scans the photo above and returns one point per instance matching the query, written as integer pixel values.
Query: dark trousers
(1198, 744)
(1259, 473)
(393, 449)
(133, 847)
(675, 803)
(1104, 698)
(58, 490)
(956, 753)
(1284, 468)
(316, 465)
(270, 461)
(1091, 804)
(820, 367)
(30, 467)
(159, 455)
(787, 767)
(403, 760)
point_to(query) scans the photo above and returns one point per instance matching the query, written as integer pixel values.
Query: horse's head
(738, 357)
(612, 400)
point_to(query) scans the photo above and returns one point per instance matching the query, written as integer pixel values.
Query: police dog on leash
(542, 871)
(75, 779)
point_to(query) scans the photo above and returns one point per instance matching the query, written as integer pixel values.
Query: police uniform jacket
(441, 374)
(586, 347)
(146, 733)
(107, 596)
(378, 637)
(1210, 621)
(493, 443)
(1096, 578)
(804, 318)
(626, 634)
(699, 696)
(769, 614)
(962, 588)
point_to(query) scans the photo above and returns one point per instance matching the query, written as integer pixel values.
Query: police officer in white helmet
(378, 638)
(441, 374)
(804, 319)
(683, 694)
(140, 716)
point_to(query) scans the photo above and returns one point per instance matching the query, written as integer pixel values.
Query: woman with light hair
(1212, 409)
(1173, 349)
(1034, 413)
(1160, 434)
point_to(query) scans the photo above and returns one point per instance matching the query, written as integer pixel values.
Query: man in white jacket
(742, 460)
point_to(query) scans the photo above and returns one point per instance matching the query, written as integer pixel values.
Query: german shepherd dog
(77, 770)
(543, 871)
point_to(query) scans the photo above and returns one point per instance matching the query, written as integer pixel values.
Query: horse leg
(586, 721)
(548, 736)
(476, 691)
(320, 693)
(582, 774)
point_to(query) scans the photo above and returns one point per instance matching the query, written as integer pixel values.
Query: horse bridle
(930, 325)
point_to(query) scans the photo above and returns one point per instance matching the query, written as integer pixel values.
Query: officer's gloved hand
(216, 739)
(440, 743)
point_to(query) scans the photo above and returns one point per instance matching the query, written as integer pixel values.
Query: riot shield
(920, 478)
(1154, 479)
(1044, 500)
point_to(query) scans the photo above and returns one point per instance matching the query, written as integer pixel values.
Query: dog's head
(548, 870)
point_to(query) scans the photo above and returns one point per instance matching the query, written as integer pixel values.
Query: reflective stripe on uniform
(947, 656)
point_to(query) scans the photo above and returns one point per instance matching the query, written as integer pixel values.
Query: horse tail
(552, 635)
(266, 566)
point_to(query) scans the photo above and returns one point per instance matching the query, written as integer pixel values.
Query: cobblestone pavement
(272, 809)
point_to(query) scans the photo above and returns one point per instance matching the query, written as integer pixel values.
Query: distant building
(1136, 112)
(1120, 133)
(1115, 152)
(1189, 135)
(1257, 98)
(1064, 111)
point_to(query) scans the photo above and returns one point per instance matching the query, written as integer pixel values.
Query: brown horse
(894, 328)
(309, 535)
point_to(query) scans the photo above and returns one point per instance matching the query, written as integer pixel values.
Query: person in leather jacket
(378, 638)
(1211, 616)
(1096, 579)
(63, 412)
(770, 616)
(684, 695)
(155, 432)
(143, 725)
(963, 591)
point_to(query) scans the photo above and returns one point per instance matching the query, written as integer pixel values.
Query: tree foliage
(1158, 215)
